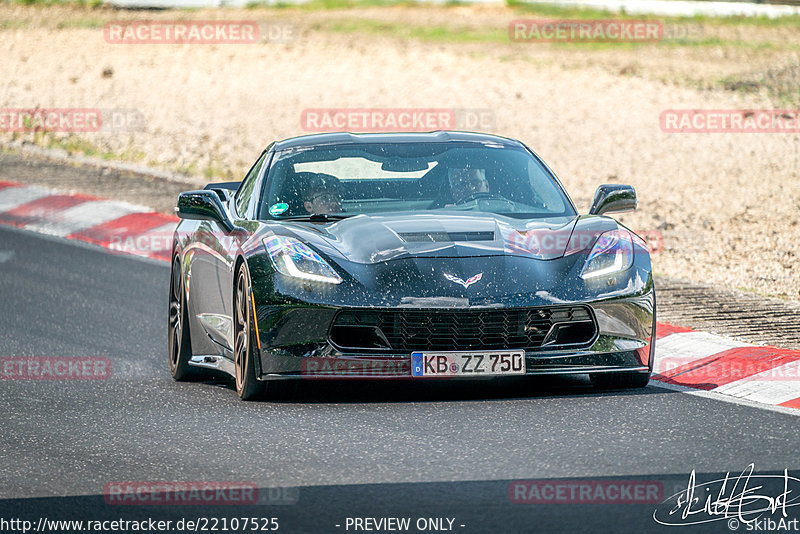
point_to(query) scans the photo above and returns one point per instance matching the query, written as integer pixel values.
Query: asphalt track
(327, 450)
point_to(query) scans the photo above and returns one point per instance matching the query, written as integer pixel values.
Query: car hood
(370, 239)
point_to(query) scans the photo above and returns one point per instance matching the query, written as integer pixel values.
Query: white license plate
(482, 363)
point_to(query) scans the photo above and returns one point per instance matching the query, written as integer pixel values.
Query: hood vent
(437, 237)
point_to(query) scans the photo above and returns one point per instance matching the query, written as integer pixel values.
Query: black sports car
(432, 255)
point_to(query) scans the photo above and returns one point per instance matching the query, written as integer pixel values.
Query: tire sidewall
(180, 368)
(250, 387)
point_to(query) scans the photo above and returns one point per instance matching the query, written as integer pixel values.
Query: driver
(322, 196)
(467, 182)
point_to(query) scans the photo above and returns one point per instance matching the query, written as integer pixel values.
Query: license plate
(485, 363)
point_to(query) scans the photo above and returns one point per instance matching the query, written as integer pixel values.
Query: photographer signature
(744, 498)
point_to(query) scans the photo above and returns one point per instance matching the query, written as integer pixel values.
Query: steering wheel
(481, 195)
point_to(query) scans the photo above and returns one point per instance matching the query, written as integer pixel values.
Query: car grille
(408, 330)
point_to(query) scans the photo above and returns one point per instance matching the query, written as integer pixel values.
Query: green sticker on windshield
(277, 209)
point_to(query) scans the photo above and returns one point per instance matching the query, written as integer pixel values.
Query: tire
(180, 343)
(624, 380)
(248, 387)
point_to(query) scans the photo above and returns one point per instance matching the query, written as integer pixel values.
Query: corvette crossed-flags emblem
(471, 280)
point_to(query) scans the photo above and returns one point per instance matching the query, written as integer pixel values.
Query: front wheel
(247, 385)
(180, 344)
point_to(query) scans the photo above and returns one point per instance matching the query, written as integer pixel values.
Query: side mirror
(612, 198)
(203, 205)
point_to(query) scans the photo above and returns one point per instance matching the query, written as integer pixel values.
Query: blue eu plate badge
(416, 364)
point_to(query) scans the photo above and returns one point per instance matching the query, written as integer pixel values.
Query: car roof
(417, 137)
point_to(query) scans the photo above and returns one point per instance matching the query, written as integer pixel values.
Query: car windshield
(333, 181)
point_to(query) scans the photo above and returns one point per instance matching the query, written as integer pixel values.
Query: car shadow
(314, 391)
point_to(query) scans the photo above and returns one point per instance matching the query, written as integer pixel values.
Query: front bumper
(295, 344)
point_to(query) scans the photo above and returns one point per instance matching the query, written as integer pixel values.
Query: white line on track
(11, 197)
(686, 347)
(82, 216)
(773, 386)
(726, 398)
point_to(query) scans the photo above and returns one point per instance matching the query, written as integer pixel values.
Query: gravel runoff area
(727, 204)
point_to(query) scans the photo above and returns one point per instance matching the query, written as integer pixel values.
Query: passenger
(322, 195)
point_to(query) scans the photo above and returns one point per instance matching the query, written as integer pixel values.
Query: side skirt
(217, 363)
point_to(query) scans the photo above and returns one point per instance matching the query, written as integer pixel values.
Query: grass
(47, 3)
(488, 34)
(423, 33)
(559, 11)
(695, 26)
(475, 34)
(781, 296)
(188, 170)
(76, 23)
(518, 6)
(77, 145)
(321, 5)
(522, 7)
(13, 24)
(781, 84)
(564, 12)
(211, 171)
(74, 144)
(788, 21)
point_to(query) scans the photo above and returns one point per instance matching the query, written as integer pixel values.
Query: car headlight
(292, 258)
(612, 253)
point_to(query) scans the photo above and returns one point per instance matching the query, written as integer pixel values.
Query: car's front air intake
(408, 330)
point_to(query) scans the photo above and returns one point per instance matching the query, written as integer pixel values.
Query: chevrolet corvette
(442, 255)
